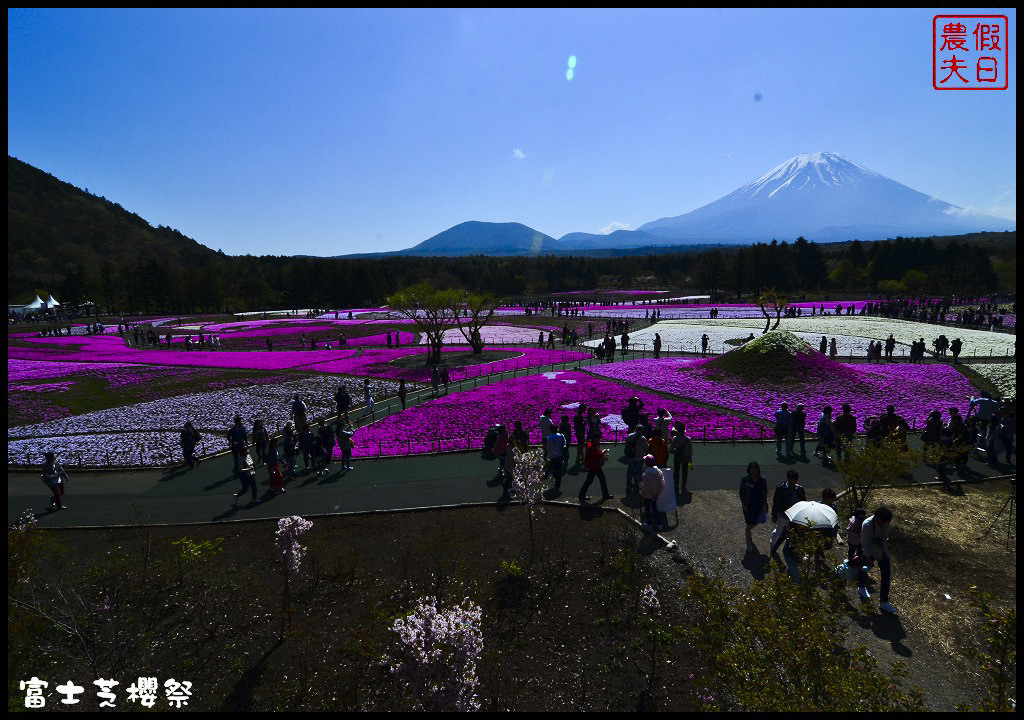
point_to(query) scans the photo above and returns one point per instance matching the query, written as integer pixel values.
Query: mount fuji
(824, 197)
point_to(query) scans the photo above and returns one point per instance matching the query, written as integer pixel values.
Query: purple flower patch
(915, 390)
(459, 421)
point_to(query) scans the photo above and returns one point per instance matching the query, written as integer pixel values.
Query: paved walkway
(179, 495)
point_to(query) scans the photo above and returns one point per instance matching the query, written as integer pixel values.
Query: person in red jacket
(593, 460)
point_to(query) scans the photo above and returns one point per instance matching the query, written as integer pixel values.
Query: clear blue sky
(327, 132)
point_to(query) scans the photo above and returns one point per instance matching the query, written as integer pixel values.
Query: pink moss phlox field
(914, 390)
(113, 349)
(21, 370)
(291, 339)
(462, 419)
(307, 325)
(42, 387)
(376, 362)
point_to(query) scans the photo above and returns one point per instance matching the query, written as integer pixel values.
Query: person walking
(826, 436)
(189, 440)
(634, 450)
(787, 494)
(832, 350)
(853, 537)
(288, 450)
(306, 442)
(238, 441)
(247, 476)
(547, 425)
(753, 501)
(704, 341)
(984, 408)
(657, 345)
(845, 428)
(343, 400)
(298, 411)
(274, 463)
(565, 430)
(782, 421)
(327, 439)
(261, 440)
(579, 427)
(652, 485)
(681, 447)
(345, 433)
(520, 437)
(367, 399)
(797, 427)
(500, 451)
(402, 392)
(54, 477)
(593, 461)
(556, 447)
(875, 543)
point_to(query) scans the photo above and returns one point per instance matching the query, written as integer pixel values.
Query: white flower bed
(980, 342)
(497, 334)
(1002, 375)
(675, 337)
(153, 426)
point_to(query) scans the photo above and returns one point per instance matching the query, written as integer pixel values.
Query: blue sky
(327, 132)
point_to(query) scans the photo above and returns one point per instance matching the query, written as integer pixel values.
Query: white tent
(35, 304)
(52, 302)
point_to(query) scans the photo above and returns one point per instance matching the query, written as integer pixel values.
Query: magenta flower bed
(321, 324)
(291, 337)
(915, 390)
(460, 421)
(113, 349)
(22, 370)
(376, 362)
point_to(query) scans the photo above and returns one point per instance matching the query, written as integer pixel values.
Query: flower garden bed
(116, 436)
(915, 390)
(459, 421)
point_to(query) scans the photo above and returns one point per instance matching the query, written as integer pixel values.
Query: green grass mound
(778, 357)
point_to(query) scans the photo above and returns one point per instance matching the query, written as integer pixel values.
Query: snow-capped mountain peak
(823, 196)
(826, 169)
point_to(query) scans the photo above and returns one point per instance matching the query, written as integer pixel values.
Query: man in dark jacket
(797, 426)
(238, 440)
(787, 494)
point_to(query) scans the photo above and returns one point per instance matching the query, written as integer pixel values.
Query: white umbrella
(812, 514)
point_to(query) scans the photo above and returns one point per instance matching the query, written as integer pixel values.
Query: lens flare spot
(568, 74)
(572, 61)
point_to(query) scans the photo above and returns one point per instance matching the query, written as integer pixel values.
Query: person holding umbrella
(801, 519)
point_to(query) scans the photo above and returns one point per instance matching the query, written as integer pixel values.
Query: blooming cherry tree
(436, 654)
(289, 529)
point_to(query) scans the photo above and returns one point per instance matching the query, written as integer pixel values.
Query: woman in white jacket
(874, 539)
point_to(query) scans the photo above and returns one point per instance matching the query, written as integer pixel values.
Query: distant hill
(481, 238)
(54, 228)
